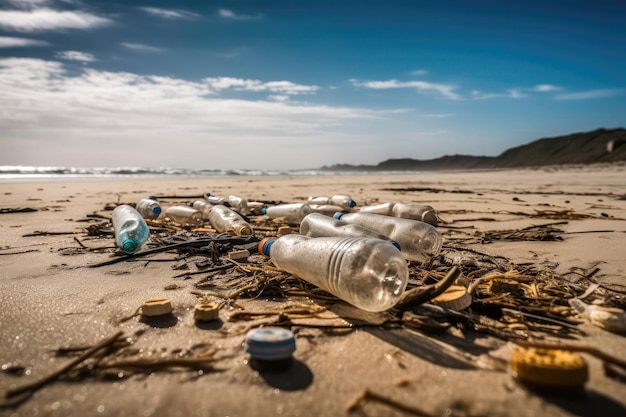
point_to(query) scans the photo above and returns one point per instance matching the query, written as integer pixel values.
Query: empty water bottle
(130, 229)
(326, 209)
(289, 213)
(184, 215)
(239, 203)
(337, 200)
(368, 273)
(203, 207)
(225, 220)
(148, 208)
(319, 225)
(418, 241)
(419, 212)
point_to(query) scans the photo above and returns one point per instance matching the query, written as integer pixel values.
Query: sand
(50, 300)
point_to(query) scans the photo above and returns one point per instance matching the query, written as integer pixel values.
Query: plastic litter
(609, 318)
(148, 208)
(292, 213)
(206, 312)
(419, 212)
(157, 307)
(337, 200)
(549, 368)
(239, 203)
(454, 298)
(270, 348)
(130, 229)
(368, 273)
(419, 241)
(185, 215)
(225, 220)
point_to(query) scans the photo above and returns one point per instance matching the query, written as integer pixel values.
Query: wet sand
(50, 300)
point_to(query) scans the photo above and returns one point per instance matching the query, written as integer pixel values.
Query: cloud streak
(239, 84)
(140, 47)
(444, 90)
(14, 42)
(76, 56)
(169, 13)
(230, 15)
(40, 20)
(591, 94)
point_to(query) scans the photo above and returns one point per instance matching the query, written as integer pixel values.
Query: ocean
(39, 173)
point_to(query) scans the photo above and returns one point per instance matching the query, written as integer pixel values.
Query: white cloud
(591, 94)
(444, 90)
(546, 88)
(240, 84)
(140, 47)
(513, 93)
(419, 72)
(169, 13)
(76, 56)
(47, 19)
(49, 116)
(13, 42)
(229, 14)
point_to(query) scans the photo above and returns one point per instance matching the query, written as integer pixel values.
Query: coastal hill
(602, 145)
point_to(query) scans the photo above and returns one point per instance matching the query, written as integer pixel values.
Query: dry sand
(49, 301)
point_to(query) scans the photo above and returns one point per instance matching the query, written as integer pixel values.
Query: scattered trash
(184, 215)
(148, 208)
(206, 312)
(550, 368)
(454, 298)
(368, 273)
(158, 307)
(419, 212)
(609, 318)
(343, 201)
(288, 213)
(270, 348)
(131, 231)
(225, 220)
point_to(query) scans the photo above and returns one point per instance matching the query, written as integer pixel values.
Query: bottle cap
(265, 245)
(550, 368)
(270, 343)
(351, 203)
(264, 210)
(244, 231)
(156, 210)
(129, 246)
(454, 298)
(206, 312)
(159, 307)
(339, 215)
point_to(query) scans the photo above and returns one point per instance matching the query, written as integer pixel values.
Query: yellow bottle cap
(159, 307)
(550, 368)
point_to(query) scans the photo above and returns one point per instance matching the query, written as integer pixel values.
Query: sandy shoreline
(50, 301)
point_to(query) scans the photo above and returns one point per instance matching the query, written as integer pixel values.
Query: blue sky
(301, 84)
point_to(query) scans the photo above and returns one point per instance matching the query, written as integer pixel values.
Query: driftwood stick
(422, 295)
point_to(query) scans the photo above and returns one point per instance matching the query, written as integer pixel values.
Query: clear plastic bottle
(419, 241)
(326, 209)
(289, 213)
(337, 200)
(211, 199)
(419, 212)
(203, 207)
(256, 207)
(148, 208)
(319, 225)
(370, 274)
(239, 203)
(185, 215)
(130, 229)
(225, 220)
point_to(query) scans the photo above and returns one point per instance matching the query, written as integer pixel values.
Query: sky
(297, 84)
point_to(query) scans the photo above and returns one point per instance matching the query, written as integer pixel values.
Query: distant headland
(601, 145)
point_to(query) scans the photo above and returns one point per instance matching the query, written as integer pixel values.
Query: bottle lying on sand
(292, 213)
(418, 241)
(319, 225)
(240, 204)
(225, 220)
(148, 208)
(130, 229)
(419, 212)
(184, 215)
(337, 200)
(326, 209)
(369, 273)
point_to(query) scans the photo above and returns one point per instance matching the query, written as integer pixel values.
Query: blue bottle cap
(339, 214)
(265, 245)
(129, 246)
(264, 210)
(270, 343)
(396, 244)
(351, 203)
(156, 210)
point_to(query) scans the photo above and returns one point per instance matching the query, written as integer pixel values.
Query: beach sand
(50, 300)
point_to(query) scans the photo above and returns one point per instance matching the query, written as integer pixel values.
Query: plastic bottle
(337, 200)
(148, 208)
(326, 209)
(225, 220)
(418, 240)
(211, 199)
(289, 213)
(419, 212)
(370, 274)
(239, 203)
(203, 207)
(319, 225)
(130, 229)
(184, 215)
(256, 207)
